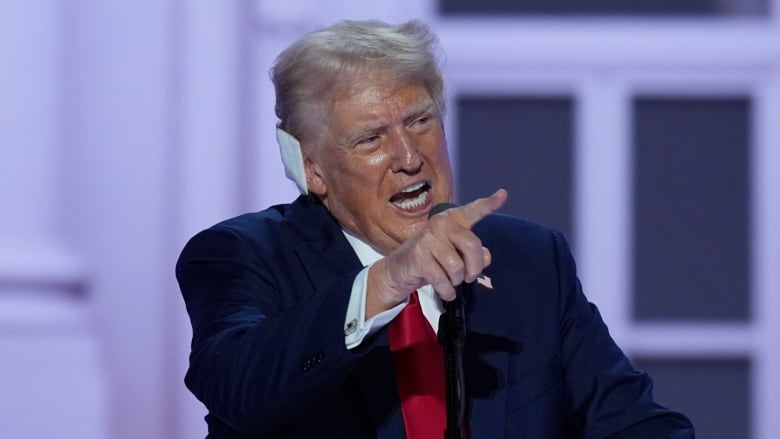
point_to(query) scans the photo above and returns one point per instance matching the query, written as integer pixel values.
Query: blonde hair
(314, 66)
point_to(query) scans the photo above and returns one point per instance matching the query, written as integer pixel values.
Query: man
(294, 309)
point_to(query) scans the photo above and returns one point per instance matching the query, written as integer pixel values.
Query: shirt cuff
(356, 327)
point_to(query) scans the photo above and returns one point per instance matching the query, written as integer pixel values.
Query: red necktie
(419, 371)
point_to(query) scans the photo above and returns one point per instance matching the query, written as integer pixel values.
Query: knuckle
(444, 289)
(453, 265)
(472, 272)
(440, 281)
(487, 257)
(439, 221)
(472, 246)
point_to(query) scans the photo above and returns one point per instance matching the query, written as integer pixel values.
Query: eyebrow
(427, 106)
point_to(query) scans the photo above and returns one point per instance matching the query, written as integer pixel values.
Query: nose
(405, 152)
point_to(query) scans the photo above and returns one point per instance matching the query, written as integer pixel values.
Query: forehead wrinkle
(379, 123)
(368, 122)
(386, 110)
(375, 92)
(372, 119)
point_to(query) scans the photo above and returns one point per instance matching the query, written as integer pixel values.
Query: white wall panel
(52, 374)
(118, 193)
(766, 256)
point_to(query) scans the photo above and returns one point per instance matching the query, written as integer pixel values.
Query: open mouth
(412, 197)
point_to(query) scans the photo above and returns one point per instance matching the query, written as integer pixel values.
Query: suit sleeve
(256, 359)
(607, 396)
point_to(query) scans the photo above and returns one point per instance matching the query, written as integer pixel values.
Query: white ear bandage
(292, 158)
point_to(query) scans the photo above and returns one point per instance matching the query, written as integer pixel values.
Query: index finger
(473, 212)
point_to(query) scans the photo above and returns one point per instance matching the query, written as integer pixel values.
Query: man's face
(380, 161)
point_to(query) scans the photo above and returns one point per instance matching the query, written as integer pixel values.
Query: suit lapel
(324, 252)
(326, 256)
(486, 359)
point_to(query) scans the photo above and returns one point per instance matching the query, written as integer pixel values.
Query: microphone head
(441, 207)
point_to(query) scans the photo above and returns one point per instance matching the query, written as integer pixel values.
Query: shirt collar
(365, 252)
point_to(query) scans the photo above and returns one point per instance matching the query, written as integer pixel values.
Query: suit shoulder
(269, 232)
(509, 227)
(265, 226)
(249, 233)
(521, 239)
(253, 223)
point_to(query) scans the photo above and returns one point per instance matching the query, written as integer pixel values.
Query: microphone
(439, 208)
(454, 319)
(452, 337)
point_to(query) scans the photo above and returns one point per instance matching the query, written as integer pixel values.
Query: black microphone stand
(452, 337)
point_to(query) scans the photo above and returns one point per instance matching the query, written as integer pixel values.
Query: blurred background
(648, 131)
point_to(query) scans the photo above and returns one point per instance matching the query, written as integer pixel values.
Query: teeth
(413, 187)
(414, 202)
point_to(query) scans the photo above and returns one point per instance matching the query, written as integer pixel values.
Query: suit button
(312, 361)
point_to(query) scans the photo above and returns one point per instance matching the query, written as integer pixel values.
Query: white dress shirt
(356, 327)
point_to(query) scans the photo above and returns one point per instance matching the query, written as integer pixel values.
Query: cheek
(439, 158)
(435, 144)
(444, 159)
(356, 181)
(373, 163)
(367, 170)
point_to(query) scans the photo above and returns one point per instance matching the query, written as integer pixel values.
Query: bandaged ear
(292, 158)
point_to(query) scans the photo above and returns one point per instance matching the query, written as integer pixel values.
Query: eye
(421, 123)
(422, 120)
(368, 140)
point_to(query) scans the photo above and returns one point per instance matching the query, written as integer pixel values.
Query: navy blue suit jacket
(267, 296)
